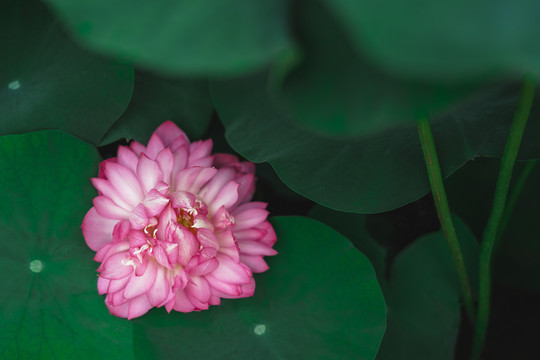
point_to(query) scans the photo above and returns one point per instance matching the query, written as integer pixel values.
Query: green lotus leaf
(319, 300)
(48, 82)
(216, 37)
(49, 305)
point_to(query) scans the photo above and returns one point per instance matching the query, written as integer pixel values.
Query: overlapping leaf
(445, 40)
(337, 90)
(371, 173)
(49, 306)
(183, 37)
(48, 82)
(420, 288)
(319, 300)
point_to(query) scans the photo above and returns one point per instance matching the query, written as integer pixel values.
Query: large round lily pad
(49, 305)
(319, 300)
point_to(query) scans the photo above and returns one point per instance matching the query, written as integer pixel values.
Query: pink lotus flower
(174, 226)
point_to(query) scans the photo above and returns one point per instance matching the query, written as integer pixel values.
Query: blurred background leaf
(366, 174)
(445, 41)
(48, 82)
(215, 37)
(319, 300)
(53, 311)
(157, 99)
(336, 90)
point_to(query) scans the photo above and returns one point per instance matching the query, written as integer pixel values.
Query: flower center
(187, 220)
(150, 230)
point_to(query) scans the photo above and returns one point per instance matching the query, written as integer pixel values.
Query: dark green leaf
(319, 300)
(353, 226)
(371, 173)
(423, 298)
(47, 82)
(156, 99)
(338, 91)
(183, 36)
(446, 40)
(49, 305)
(421, 290)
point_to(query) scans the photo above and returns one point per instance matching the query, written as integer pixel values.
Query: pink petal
(138, 285)
(102, 171)
(199, 150)
(222, 160)
(249, 218)
(117, 266)
(222, 219)
(170, 305)
(155, 145)
(208, 241)
(106, 189)
(106, 208)
(182, 302)
(149, 173)
(166, 219)
(199, 288)
(137, 148)
(214, 300)
(115, 299)
(188, 244)
(117, 285)
(128, 158)
(203, 268)
(120, 311)
(222, 288)
(102, 285)
(161, 257)
(230, 271)
(240, 291)
(165, 160)
(182, 199)
(97, 230)
(216, 184)
(121, 230)
(161, 288)
(228, 245)
(138, 219)
(247, 188)
(155, 202)
(255, 248)
(141, 267)
(110, 249)
(181, 156)
(255, 263)
(193, 179)
(227, 197)
(138, 306)
(249, 234)
(169, 132)
(125, 182)
(202, 162)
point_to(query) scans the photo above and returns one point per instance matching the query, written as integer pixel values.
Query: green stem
(499, 201)
(528, 167)
(443, 211)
